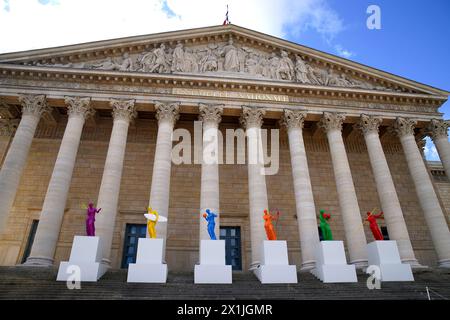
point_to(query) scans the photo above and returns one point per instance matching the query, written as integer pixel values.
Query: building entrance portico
(94, 127)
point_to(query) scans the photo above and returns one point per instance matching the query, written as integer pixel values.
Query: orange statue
(270, 230)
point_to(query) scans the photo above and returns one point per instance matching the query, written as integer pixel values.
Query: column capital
(438, 128)
(403, 126)
(77, 106)
(368, 123)
(252, 117)
(34, 105)
(210, 113)
(123, 109)
(332, 121)
(8, 126)
(167, 111)
(293, 119)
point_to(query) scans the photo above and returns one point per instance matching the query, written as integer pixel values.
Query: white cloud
(431, 151)
(343, 52)
(31, 24)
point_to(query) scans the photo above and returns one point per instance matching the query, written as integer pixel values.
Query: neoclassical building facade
(95, 122)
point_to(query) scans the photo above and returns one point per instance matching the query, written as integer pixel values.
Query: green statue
(324, 226)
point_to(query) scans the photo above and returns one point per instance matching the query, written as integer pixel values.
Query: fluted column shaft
(108, 197)
(166, 114)
(386, 189)
(52, 214)
(11, 172)
(426, 195)
(304, 199)
(252, 119)
(438, 132)
(348, 203)
(210, 116)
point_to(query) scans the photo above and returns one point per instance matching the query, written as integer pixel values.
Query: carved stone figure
(209, 61)
(301, 70)
(107, 64)
(251, 64)
(158, 62)
(274, 62)
(231, 62)
(127, 63)
(178, 59)
(190, 61)
(285, 70)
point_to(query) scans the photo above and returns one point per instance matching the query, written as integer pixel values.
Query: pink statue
(90, 219)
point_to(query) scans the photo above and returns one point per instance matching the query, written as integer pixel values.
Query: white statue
(251, 64)
(231, 57)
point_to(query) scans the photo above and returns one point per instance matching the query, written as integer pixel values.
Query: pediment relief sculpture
(227, 58)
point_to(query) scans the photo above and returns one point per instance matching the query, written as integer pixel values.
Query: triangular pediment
(220, 51)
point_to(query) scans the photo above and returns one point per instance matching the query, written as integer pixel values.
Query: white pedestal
(148, 267)
(212, 268)
(275, 266)
(385, 255)
(331, 264)
(86, 255)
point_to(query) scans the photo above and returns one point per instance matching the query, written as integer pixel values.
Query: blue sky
(413, 42)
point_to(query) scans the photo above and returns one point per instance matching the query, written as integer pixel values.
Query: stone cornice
(214, 83)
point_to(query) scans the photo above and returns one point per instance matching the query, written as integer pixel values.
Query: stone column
(33, 106)
(108, 197)
(306, 210)
(428, 199)
(52, 214)
(386, 190)
(210, 115)
(348, 203)
(438, 133)
(251, 120)
(166, 114)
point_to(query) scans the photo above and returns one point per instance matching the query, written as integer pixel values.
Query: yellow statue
(152, 219)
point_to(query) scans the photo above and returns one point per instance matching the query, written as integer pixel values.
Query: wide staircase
(39, 283)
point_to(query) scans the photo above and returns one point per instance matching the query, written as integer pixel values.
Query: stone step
(39, 283)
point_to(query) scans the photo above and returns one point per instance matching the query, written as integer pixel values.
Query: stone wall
(183, 230)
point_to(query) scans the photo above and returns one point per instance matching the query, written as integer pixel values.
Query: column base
(307, 266)
(38, 262)
(360, 264)
(415, 265)
(444, 264)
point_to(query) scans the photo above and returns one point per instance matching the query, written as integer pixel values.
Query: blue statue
(210, 216)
